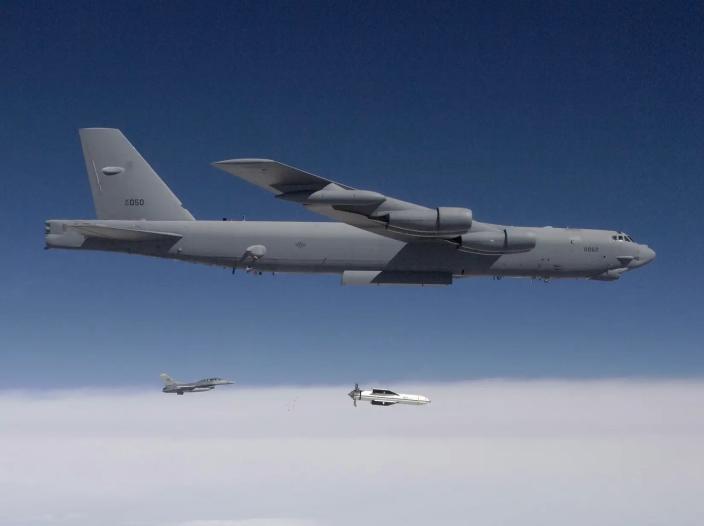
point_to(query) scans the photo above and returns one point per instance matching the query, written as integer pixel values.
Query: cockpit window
(622, 237)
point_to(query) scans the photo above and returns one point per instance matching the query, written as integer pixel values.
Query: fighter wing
(364, 209)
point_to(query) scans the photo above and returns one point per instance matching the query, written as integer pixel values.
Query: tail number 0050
(134, 202)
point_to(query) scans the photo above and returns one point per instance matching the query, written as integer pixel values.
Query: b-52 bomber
(206, 384)
(376, 239)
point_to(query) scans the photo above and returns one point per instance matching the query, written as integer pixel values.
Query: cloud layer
(489, 452)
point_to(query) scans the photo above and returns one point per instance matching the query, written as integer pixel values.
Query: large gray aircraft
(375, 240)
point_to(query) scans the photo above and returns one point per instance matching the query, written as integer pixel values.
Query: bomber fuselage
(334, 248)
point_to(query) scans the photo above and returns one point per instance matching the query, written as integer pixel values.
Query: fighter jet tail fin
(123, 184)
(167, 379)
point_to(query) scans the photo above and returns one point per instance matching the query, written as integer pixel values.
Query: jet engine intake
(439, 222)
(506, 241)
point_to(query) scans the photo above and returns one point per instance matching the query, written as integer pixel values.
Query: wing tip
(228, 162)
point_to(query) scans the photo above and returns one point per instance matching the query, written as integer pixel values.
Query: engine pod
(439, 222)
(344, 197)
(506, 241)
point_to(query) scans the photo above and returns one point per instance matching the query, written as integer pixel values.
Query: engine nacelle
(506, 241)
(441, 222)
(343, 197)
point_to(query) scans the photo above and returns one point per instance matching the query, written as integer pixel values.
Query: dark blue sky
(562, 113)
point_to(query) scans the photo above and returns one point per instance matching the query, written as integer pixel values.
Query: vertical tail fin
(167, 379)
(123, 184)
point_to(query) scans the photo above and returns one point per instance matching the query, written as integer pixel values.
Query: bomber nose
(645, 256)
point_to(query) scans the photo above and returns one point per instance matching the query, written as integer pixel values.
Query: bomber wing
(364, 209)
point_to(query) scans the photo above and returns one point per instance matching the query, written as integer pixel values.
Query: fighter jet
(206, 384)
(375, 239)
(384, 397)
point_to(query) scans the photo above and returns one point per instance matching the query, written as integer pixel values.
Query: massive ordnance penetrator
(385, 397)
(376, 239)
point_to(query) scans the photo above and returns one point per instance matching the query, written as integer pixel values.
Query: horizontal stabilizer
(125, 234)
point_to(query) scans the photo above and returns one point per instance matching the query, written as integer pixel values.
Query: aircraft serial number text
(134, 202)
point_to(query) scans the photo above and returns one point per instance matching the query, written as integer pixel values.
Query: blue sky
(580, 114)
